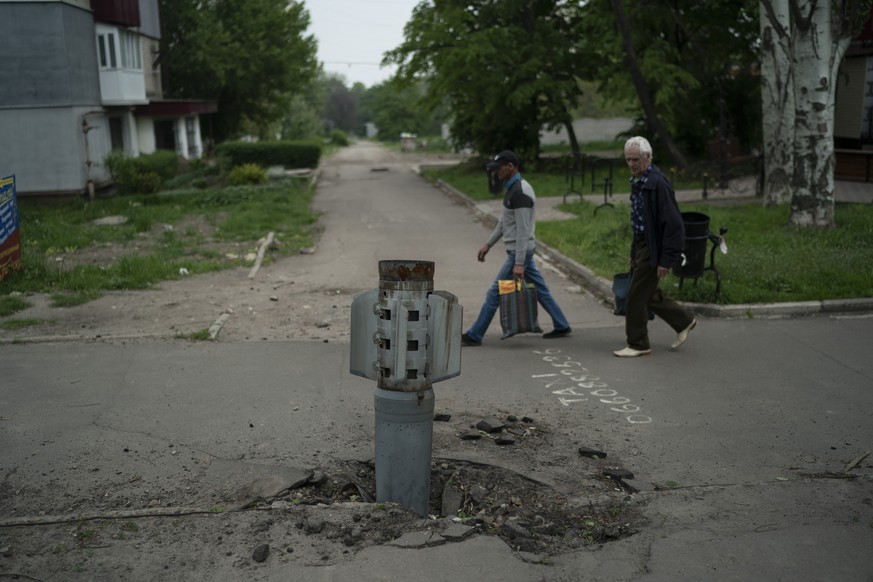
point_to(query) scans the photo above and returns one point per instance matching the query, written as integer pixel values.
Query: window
(101, 49)
(123, 52)
(131, 58)
(110, 40)
(106, 50)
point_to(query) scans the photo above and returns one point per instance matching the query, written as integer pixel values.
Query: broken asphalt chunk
(618, 474)
(261, 552)
(489, 425)
(592, 453)
(637, 486)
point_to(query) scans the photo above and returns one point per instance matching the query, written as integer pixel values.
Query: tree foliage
(504, 68)
(341, 106)
(253, 57)
(397, 108)
(698, 60)
(305, 116)
(303, 121)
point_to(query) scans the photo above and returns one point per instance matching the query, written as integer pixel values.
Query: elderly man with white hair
(658, 241)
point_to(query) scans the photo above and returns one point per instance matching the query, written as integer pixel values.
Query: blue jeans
(492, 296)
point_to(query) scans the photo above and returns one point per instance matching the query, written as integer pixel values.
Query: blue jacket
(665, 230)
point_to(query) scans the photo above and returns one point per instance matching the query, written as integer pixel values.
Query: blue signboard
(10, 238)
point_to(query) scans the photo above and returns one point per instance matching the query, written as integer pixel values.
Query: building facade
(853, 115)
(853, 111)
(78, 79)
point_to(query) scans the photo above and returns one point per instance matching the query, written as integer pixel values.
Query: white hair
(642, 143)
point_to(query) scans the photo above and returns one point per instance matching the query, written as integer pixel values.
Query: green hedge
(339, 137)
(290, 154)
(144, 174)
(164, 163)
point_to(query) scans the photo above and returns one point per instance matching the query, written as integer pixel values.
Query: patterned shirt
(638, 221)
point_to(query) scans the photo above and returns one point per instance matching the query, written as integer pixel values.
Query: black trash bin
(696, 236)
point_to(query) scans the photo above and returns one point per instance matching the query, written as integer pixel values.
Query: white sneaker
(629, 352)
(683, 335)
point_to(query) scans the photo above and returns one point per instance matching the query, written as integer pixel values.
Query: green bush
(339, 137)
(290, 154)
(203, 167)
(164, 163)
(198, 174)
(122, 170)
(147, 183)
(247, 174)
(143, 175)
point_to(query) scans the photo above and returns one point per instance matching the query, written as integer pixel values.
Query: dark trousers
(644, 295)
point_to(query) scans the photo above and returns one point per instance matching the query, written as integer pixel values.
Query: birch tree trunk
(777, 95)
(817, 43)
(816, 59)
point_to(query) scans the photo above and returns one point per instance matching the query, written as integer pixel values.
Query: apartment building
(79, 78)
(853, 111)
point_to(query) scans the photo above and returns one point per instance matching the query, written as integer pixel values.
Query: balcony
(122, 87)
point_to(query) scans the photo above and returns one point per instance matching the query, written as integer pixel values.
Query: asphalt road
(747, 429)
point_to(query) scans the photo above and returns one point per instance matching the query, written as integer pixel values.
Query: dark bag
(620, 287)
(518, 308)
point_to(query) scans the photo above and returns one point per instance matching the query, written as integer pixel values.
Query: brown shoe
(557, 333)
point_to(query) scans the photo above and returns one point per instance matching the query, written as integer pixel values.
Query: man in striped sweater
(516, 229)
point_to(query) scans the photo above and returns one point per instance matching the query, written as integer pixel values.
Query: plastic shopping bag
(518, 308)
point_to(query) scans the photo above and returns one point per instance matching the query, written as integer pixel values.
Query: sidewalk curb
(602, 288)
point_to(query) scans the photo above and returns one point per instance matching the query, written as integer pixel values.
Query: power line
(350, 63)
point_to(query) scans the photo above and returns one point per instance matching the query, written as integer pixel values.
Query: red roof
(123, 12)
(180, 108)
(866, 33)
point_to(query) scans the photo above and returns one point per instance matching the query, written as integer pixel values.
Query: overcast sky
(353, 35)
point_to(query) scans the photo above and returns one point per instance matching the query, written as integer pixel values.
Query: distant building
(853, 110)
(587, 130)
(853, 114)
(79, 78)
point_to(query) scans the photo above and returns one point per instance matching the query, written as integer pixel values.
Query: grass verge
(15, 324)
(767, 262)
(10, 305)
(164, 236)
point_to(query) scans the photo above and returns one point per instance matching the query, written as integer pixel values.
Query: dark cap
(504, 157)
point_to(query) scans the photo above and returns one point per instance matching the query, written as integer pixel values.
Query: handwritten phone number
(573, 379)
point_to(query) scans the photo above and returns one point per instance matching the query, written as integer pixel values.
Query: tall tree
(690, 65)
(504, 67)
(777, 95)
(396, 108)
(642, 87)
(252, 56)
(195, 50)
(817, 34)
(341, 105)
